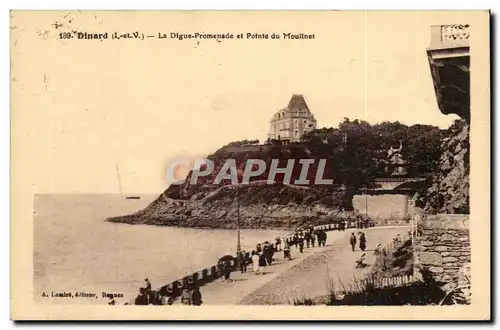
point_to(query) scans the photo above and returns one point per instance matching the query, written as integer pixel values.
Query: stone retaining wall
(442, 245)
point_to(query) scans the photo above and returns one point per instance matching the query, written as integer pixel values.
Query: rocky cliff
(261, 205)
(449, 191)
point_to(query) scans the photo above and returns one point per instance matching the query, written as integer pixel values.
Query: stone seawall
(442, 246)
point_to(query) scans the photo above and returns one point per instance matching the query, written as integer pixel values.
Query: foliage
(424, 292)
(394, 263)
(355, 155)
(242, 143)
(461, 293)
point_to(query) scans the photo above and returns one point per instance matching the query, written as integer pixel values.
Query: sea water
(75, 250)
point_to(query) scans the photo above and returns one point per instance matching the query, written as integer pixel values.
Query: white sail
(119, 180)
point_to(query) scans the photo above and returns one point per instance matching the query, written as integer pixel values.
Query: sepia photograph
(178, 165)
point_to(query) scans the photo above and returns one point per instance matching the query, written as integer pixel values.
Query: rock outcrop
(449, 191)
(260, 206)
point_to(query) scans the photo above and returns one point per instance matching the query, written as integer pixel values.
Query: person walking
(301, 244)
(147, 289)
(262, 263)
(267, 250)
(243, 262)
(295, 240)
(196, 297)
(277, 243)
(255, 262)
(148, 285)
(227, 271)
(307, 237)
(352, 241)
(362, 242)
(286, 252)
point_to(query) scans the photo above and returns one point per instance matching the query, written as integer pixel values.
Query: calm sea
(76, 250)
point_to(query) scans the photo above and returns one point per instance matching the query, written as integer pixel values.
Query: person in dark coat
(226, 270)
(155, 298)
(262, 263)
(142, 298)
(320, 235)
(268, 253)
(196, 297)
(352, 241)
(307, 237)
(362, 242)
(301, 244)
(243, 261)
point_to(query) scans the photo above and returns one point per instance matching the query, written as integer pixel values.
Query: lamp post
(365, 191)
(238, 241)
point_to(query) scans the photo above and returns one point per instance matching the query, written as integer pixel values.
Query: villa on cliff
(291, 123)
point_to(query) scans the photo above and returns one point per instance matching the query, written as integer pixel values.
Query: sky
(81, 107)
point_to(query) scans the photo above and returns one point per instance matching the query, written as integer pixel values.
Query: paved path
(303, 276)
(308, 279)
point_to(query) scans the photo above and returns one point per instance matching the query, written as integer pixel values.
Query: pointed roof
(297, 101)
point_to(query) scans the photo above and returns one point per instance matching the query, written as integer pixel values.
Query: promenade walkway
(304, 276)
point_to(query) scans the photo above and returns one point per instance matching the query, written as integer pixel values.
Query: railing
(214, 272)
(381, 283)
(370, 282)
(454, 35)
(393, 245)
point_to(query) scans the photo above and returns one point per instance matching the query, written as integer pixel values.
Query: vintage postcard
(250, 165)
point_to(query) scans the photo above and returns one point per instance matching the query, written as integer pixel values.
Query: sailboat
(121, 189)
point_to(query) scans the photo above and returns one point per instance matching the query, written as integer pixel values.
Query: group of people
(342, 225)
(308, 236)
(362, 241)
(364, 223)
(360, 262)
(262, 256)
(190, 295)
